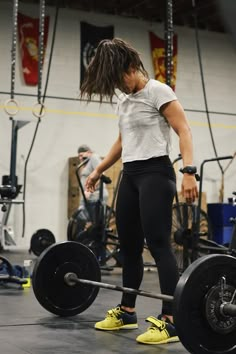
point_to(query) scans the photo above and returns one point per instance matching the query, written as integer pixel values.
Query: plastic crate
(222, 235)
(219, 214)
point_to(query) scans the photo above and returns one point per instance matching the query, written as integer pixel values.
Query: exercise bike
(192, 229)
(94, 225)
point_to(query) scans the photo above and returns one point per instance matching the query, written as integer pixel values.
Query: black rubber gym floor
(26, 327)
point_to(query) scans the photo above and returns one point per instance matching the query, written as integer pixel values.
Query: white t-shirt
(144, 131)
(94, 160)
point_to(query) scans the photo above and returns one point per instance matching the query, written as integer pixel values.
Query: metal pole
(71, 279)
(13, 178)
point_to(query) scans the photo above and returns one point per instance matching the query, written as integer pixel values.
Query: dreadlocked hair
(113, 58)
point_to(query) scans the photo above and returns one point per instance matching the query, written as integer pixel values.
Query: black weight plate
(76, 224)
(191, 322)
(40, 240)
(48, 278)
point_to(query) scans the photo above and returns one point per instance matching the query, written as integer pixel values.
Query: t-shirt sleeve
(119, 99)
(117, 108)
(95, 160)
(163, 94)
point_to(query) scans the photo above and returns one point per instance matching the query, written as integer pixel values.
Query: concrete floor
(26, 327)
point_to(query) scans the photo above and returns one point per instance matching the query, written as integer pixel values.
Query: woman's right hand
(91, 181)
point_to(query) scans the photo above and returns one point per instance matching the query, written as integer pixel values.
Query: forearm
(186, 146)
(175, 115)
(113, 155)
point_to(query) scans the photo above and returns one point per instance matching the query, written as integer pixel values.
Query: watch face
(190, 169)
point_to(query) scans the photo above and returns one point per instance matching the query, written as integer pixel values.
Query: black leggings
(144, 209)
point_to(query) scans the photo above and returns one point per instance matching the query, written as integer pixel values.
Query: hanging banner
(90, 36)
(158, 58)
(28, 32)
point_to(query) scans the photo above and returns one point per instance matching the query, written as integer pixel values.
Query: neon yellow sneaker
(117, 319)
(160, 332)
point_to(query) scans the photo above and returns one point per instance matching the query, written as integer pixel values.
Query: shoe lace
(114, 312)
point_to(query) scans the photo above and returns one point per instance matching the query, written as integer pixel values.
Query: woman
(147, 110)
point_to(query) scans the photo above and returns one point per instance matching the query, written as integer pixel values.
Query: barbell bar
(71, 279)
(227, 309)
(67, 277)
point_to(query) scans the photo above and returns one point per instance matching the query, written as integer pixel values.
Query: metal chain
(41, 47)
(13, 48)
(169, 42)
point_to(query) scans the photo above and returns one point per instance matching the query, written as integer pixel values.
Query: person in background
(85, 153)
(147, 110)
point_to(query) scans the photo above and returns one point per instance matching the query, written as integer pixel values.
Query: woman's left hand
(189, 188)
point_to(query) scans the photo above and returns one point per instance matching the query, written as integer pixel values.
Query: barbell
(67, 277)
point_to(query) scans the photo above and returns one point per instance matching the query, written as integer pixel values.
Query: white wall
(68, 123)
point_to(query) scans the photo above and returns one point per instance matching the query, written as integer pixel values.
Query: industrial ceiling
(208, 11)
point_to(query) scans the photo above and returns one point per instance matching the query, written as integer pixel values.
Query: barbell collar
(228, 309)
(71, 279)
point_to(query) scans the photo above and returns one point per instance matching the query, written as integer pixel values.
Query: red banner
(158, 58)
(28, 30)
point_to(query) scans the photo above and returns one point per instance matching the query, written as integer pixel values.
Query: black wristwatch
(192, 170)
